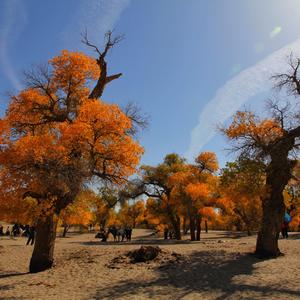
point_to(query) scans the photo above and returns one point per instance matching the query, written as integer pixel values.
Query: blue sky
(189, 64)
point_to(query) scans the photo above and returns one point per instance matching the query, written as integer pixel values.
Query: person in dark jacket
(31, 235)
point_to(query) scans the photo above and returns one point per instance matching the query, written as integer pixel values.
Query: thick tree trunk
(277, 176)
(267, 239)
(273, 211)
(66, 228)
(177, 229)
(198, 226)
(184, 225)
(42, 256)
(102, 223)
(192, 228)
(175, 220)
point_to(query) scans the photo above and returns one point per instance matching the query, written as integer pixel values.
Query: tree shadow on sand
(134, 242)
(12, 274)
(204, 273)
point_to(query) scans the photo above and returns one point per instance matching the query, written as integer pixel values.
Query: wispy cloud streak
(13, 20)
(237, 91)
(97, 16)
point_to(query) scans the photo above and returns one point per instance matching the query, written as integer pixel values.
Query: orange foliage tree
(132, 214)
(57, 136)
(103, 205)
(77, 213)
(155, 215)
(154, 183)
(194, 189)
(274, 140)
(242, 185)
(177, 191)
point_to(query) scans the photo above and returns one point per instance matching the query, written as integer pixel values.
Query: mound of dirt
(152, 256)
(145, 253)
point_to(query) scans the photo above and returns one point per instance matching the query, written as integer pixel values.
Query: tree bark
(175, 221)
(198, 226)
(66, 228)
(184, 225)
(42, 256)
(177, 228)
(192, 228)
(267, 239)
(277, 176)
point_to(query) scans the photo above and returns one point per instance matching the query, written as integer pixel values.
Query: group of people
(119, 234)
(20, 230)
(169, 234)
(6, 232)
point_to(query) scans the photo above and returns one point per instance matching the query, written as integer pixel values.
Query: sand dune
(218, 267)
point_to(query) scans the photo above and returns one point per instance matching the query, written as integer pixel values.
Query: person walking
(31, 235)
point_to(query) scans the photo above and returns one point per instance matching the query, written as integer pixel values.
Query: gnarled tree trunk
(267, 239)
(42, 256)
(278, 175)
(175, 221)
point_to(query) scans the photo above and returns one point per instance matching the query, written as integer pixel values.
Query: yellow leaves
(100, 132)
(197, 191)
(245, 124)
(242, 122)
(38, 149)
(54, 138)
(73, 68)
(207, 212)
(207, 161)
(79, 212)
(179, 178)
(132, 214)
(23, 108)
(267, 131)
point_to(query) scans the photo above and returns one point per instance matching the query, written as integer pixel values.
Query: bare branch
(103, 79)
(139, 120)
(289, 80)
(86, 41)
(280, 112)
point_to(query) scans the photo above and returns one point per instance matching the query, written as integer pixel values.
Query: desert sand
(217, 267)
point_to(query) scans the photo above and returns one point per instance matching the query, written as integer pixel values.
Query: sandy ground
(218, 267)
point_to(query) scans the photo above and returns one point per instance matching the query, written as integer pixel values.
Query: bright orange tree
(132, 214)
(193, 186)
(103, 205)
(77, 213)
(273, 140)
(242, 185)
(154, 183)
(55, 138)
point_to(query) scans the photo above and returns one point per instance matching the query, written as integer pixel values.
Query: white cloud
(11, 25)
(235, 92)
(97, 16)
